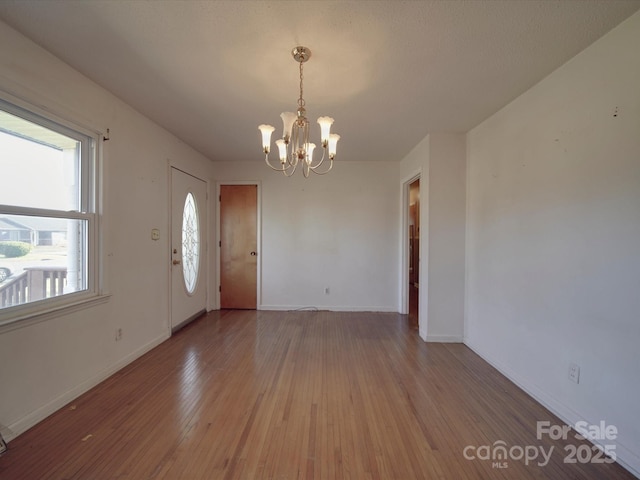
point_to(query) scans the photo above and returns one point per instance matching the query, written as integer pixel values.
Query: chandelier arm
(266, 159)
(324, 153)
(326, 171)
(292, 169)
(294, 144)
(284, 168)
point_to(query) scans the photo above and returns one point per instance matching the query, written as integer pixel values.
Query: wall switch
(574, 373)
(327, 291)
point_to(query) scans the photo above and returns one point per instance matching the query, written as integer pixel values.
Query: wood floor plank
(295, 395)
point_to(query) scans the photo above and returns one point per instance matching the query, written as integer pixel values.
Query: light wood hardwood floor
(296, 395)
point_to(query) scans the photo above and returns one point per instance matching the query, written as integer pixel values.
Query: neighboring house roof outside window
(39, 224)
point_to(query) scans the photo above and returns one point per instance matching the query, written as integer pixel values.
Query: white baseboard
(28, 421)
(626, 457)
(288, 308)
(444, 338)
(6, 433)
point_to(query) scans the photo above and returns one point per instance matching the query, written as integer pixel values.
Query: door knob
(253, 254)
(176, 262)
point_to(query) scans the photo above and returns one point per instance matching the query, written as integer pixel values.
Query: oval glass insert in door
(190, 243)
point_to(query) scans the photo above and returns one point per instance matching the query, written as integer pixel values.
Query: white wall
(553, 259)
(447, 192)
(339, 231)
(45, 365)
(440, 161)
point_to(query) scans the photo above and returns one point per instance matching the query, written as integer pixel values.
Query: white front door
(188, 247)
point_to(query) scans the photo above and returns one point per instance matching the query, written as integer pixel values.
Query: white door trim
(423, 260)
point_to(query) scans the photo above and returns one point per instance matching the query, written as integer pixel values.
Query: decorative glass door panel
(190, 243)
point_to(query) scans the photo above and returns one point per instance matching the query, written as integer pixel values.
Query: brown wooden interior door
(238, 247)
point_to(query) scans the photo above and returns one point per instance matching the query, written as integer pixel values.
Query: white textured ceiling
(389, 72)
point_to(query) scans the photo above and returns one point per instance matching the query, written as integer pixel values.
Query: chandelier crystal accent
(294, 147)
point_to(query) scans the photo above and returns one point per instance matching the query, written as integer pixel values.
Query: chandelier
(294, 147)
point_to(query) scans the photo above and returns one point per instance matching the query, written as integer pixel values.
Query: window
(190, 243)
(48, 239)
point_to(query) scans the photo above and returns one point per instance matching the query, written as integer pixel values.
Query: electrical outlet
(574, 373)
(118, 334)
(327, 291)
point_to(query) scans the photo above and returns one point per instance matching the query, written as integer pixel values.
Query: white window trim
(20, 316)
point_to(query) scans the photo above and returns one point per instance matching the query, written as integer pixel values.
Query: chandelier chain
(301, 100)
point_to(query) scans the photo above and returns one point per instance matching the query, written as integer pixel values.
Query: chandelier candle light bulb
(282, 150)
(333, 142)
(266, 130)
(325, 127)
(294, 146)
(310, 149)
(288, 118)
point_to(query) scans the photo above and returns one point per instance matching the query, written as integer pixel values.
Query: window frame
(88, 210)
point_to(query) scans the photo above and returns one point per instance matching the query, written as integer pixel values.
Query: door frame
(423, 260)
(258, 238)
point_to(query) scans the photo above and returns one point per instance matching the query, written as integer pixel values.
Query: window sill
(27, 318)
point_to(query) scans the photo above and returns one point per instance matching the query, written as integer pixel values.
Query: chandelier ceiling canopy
(294, 147)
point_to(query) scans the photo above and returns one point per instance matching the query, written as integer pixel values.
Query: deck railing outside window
(33, 284)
